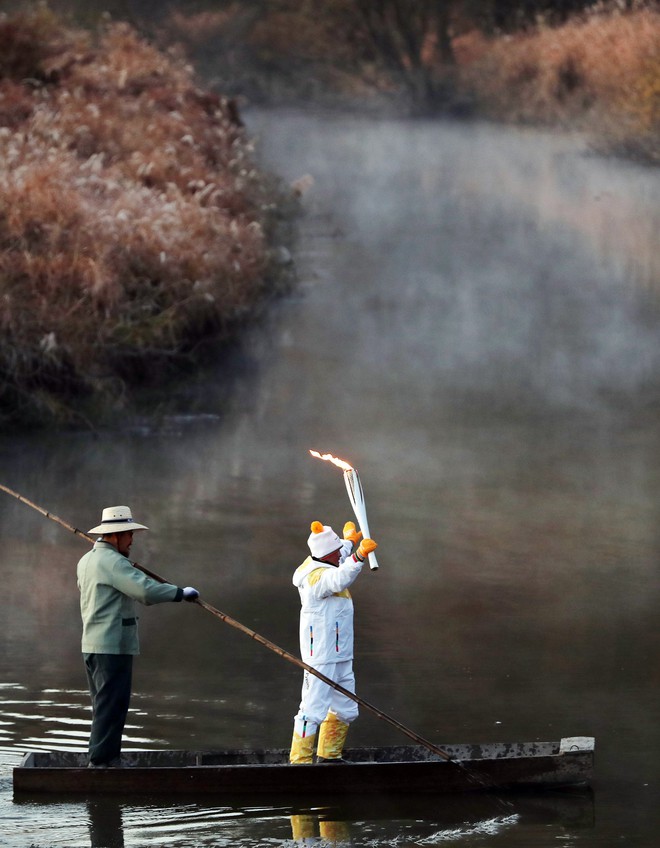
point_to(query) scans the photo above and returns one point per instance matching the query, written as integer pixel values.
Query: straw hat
(323, 540)
(117, 519)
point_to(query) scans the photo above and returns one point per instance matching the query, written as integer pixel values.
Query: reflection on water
(62, 719)
(477, 330)
(106, 826)
(109, 823)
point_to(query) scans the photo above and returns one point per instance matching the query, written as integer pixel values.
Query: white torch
(355, 496)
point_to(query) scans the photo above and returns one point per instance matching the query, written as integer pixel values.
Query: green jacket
(109, 586)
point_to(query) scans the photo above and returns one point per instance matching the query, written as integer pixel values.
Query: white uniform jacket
(326, 617)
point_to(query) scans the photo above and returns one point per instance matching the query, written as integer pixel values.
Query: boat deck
(399, 769)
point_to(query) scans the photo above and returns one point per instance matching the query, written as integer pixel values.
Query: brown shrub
(132, 221)
(200, 29)
(16, 103)
(26, 40)
(590, 71)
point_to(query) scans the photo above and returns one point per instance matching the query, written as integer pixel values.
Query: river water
(477, 330)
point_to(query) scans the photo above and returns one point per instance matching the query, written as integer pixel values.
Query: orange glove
(366, 547)
(351, 533)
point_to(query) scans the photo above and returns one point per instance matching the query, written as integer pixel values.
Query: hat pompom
(316, 527)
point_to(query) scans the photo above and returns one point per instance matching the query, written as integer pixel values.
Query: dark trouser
(109, 678)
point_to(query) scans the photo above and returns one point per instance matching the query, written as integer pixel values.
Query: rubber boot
(302, 748)
(332, 737)
(303, 827)
(334, 832)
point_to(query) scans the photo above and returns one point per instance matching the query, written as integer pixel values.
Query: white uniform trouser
(318, 698)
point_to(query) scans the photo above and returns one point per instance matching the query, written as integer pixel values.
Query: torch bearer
(355, 496)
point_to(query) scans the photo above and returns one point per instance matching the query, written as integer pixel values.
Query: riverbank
(598, 73)
(135, 227)
(134, 223)
(596, 70)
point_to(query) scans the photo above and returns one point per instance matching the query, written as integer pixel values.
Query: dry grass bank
(599, 73)
(133, 222)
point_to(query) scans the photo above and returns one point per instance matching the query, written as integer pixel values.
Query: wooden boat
(395, 770)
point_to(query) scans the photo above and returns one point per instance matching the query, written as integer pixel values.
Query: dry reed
(132, 219)
(599, 72)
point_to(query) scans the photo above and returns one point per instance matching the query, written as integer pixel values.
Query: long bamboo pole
(256, 636)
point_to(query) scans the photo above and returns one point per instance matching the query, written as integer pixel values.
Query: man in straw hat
(326, 641)
(109, 586)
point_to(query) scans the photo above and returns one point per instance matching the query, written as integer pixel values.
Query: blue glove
(190, 594)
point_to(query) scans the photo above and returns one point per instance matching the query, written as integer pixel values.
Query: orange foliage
(201, 28)
(601, 71)
(132, 218)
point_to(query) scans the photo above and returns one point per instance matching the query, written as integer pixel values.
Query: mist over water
(503, 266)
(476, 329)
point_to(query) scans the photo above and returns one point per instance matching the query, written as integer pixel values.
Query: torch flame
(328, 457)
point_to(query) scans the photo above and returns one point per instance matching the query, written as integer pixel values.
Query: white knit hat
(323, 540)
(116, 519)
